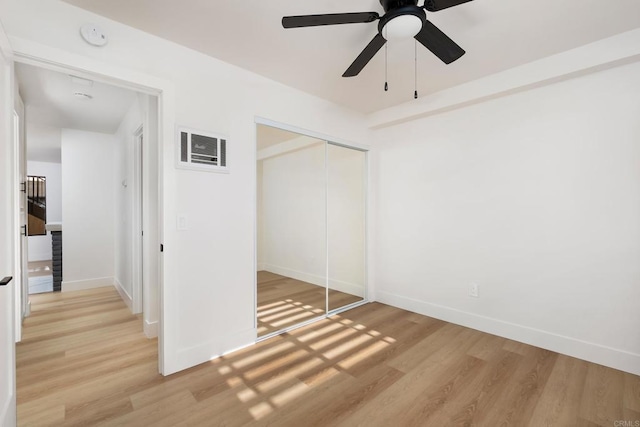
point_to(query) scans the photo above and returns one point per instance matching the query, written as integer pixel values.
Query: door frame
(21, 280)
(137, 223)
(328, 140)
(8, 227)
(89, 68)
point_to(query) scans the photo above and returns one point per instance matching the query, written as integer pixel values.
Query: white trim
(51, 58)
(80, 285)
(5, 45)
(325, 281)
(607, 356)
(136, 224)
(603, 54)
(313, 279)
(347, 287)
(123, 294)
(54, 59)
(8, 414)
(150, 329)
(306, 132)
(7, 228)
(19, 273)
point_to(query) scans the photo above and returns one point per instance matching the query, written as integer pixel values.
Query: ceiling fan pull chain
(386, 74)
(415, 59)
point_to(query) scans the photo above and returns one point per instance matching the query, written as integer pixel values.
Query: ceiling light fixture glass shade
(402, 27)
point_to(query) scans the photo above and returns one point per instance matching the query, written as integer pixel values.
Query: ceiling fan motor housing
(400, 8)
(394, 4)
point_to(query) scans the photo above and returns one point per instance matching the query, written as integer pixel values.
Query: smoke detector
(93, 35)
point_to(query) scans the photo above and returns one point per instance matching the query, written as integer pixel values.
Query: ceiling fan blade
(438, 43)
(436, 5)
(363, 59)
(328, 19)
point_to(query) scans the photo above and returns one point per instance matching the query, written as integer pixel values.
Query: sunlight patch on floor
(260, 410)
(318, 333)
(262, 355)
(337, 351)
(333, 338)
(362, 355)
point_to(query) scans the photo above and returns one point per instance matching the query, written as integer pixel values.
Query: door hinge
(161, 247)
(23, 187)
(24, 230)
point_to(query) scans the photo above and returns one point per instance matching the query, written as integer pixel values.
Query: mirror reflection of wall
(346, 201)
(310, 222)
(291, 229)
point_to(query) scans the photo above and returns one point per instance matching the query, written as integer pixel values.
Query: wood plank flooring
(85, 362)
(285, 302)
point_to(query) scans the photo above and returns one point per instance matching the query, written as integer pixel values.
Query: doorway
(85, 156)
(310, 228)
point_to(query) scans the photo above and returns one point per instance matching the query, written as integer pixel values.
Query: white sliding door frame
(328, 140)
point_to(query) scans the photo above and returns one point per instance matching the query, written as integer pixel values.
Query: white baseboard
(8, 412)
(261, 266)
(346, 287)
(123, 294)
(150, 329)
(596, 353)
(294, 274)
(338, 285)
(79, 285)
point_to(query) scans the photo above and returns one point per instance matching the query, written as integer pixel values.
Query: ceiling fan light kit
(402, 19)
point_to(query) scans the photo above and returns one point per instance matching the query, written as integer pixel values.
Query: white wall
(43, 143)
(535, 197)
(40, 246)
(208, 270)
(88, 209)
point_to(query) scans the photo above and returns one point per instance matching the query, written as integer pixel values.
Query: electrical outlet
(474, 290)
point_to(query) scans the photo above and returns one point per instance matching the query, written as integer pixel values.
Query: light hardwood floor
(85, 362)
(285, 302)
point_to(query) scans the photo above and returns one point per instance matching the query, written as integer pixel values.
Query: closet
(311, 228)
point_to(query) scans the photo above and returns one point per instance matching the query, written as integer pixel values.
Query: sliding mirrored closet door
(310, 228)
(346, 201)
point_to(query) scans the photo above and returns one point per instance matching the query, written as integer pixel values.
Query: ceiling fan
(402, 18)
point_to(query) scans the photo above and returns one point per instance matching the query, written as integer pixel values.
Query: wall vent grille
(202, 151)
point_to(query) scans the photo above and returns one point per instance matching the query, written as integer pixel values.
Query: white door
(22, 301)
(8, 228)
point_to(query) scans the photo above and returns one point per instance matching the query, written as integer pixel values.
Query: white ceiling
(497, 35)
(50, 101)
(51, 106)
